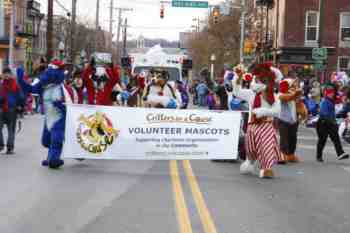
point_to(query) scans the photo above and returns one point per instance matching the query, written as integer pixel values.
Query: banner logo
(96, 133)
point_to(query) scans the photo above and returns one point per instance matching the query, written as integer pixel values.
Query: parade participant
(327, 125)
(288, 119)
(99, 82)
(184, 94)
(51, 88)
(11, 98)
(261, 138)
(159, 93)
(78, 85)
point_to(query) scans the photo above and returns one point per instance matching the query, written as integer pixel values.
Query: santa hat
(264, 73)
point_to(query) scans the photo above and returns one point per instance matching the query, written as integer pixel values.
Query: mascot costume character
(51, 88)
(160, 94)
(261, 137)
(99, 82)
(289, 95)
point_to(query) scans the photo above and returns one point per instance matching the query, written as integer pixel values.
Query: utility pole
(276, 32)
(120, 11)
(125, 37)
(111, 24)
(241, 54)
(320, 26)
(97, 26)
(320, 35)
(118, 33)
(49, 35)
(12, 34)
(97, 14)
(73, 34)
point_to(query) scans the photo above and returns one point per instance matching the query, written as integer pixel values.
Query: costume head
(264, 81)
(100, 77)
(160, 77)
(54, 74)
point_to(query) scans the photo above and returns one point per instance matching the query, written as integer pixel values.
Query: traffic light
(162, 12)
(249, 47)
(216, 15)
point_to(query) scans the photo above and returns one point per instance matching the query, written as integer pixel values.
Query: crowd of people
(276, 104)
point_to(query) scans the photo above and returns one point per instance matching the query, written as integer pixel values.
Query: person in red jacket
(99, 82)
(11, 100)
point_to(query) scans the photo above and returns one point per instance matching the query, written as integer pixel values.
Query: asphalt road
(170, 197)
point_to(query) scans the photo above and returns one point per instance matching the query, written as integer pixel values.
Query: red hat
(284, 86)
(248, 77)
(329, 91)
(60, 64)
(263, 73)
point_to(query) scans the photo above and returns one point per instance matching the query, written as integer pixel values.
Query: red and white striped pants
(262, 145)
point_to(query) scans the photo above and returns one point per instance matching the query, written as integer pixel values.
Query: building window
(311, 26)
(344, 64)
(345, 26)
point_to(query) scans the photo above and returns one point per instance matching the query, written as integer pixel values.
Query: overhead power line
(62, 6)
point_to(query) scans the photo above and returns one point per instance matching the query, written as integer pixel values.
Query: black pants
(288, 137)
(324, 129)
(9, 119)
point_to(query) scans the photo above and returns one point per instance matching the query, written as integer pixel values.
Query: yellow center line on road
(204, 214)
(180, 203)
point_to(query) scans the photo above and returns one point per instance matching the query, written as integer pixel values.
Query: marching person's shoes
(266, 174)
(283, 160)
(10, 152)
(246, 168)
(343, 156)
(56, 163)
(320, 160)
(292, 159)
(45, 163)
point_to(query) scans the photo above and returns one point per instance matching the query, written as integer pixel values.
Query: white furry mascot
(261, 137)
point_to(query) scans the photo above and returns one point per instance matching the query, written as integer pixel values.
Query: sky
(143, 20)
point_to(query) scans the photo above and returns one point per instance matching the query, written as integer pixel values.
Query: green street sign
(319, 53)
(190, 4)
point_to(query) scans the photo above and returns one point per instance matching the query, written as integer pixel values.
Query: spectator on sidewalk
(202, 92)
(11, 100)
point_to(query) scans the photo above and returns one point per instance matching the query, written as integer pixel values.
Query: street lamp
(212, 59)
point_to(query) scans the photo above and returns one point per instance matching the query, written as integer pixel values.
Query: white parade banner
(101, 132)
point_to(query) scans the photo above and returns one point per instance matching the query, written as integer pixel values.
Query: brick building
(27, 23)
(298, 32)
